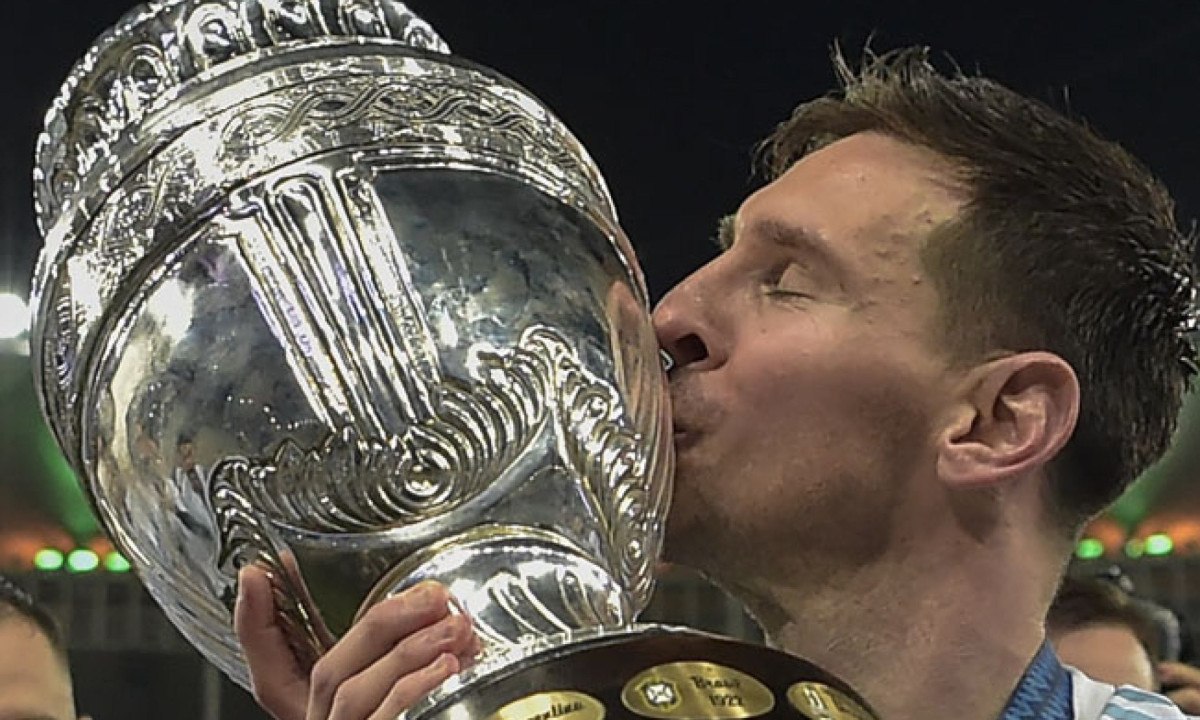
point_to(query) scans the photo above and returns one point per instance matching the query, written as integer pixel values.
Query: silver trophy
(318, 294)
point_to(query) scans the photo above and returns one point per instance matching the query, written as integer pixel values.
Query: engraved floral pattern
(353, 484)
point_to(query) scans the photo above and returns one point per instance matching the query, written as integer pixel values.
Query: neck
(947, 637)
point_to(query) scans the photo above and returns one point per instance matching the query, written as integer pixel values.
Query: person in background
(1099, 629)
(1100, 626)
(35, 679)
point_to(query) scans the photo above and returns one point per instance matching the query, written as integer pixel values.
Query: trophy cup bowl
(318, 294)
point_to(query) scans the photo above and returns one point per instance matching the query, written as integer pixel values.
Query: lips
(683, 436)
(685, 410)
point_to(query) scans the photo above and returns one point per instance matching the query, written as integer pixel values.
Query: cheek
(841, 403)
(799, 378)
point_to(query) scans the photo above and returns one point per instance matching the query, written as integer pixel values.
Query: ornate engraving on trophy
(412, 108)
(59, 349)
(293, 20)
(213, 34)
(141, 76)
(362, 16)
(246, 538)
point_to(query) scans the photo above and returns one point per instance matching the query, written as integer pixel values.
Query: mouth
(684, 438)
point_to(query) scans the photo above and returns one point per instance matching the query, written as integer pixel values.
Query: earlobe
(1014, 415)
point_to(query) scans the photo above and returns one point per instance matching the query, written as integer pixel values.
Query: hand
(399, 650)
(1181, 683)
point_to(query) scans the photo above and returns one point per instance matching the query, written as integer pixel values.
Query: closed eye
(792, 280)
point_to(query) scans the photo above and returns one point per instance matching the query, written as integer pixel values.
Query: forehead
(864, 194)
(34, 683)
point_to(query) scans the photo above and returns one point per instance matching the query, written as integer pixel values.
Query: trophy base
(651, 672)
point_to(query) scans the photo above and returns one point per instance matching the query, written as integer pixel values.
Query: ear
(1013, 415)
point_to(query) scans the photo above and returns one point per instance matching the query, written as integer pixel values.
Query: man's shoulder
(1101, 701)
(1128, 703)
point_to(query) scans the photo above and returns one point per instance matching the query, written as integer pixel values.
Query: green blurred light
(1159, 545)
(48, 559)
(1089, 549)
(1135, 548)
(1167, 477)
(116, 562)
(82, 560)
(47, 488)
(70, 502)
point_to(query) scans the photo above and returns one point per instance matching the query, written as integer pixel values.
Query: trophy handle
(246, 540)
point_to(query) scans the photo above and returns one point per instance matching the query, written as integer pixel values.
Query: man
(35, 682)
(950, 330)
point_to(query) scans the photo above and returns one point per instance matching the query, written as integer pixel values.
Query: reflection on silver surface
(318, 294)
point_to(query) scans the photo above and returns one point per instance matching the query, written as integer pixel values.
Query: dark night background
(670, 98)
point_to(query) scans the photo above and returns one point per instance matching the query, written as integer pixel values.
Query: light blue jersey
(1099, 701)
(1050, 690)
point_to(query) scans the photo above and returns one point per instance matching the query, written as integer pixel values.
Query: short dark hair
(1065, 243)
(15, 602)
(1083, 602)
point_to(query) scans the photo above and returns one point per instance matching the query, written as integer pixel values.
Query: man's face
(808, 379)
(1108, 653)
(34, 682)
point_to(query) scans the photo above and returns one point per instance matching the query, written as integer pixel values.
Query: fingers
(1185, 681)
(1177, 673)
(406, 672)
(398, 651)
(410, 688)
(1188, 699)
(278, 682)
(391, 651)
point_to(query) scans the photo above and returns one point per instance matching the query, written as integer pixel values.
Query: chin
(689, 540)
(679, 536)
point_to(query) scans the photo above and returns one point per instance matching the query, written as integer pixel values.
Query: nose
(684, 323)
